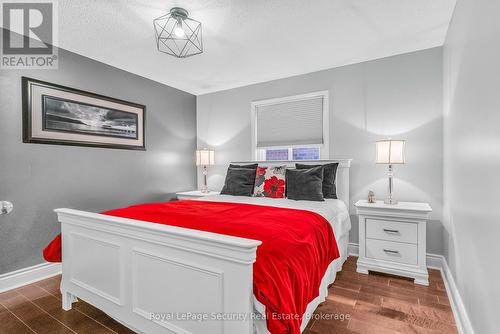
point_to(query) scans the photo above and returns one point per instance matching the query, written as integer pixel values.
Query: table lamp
(205, 158)
(390, 152)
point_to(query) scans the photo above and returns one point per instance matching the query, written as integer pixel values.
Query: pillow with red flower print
(270, 182)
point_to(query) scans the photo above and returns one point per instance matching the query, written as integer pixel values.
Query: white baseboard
(464, 324)
(353, 249)
(15, 279)
(436, 261)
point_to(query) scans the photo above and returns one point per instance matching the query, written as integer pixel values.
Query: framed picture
(54, 114)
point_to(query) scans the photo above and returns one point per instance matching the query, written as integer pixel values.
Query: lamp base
(390, 201)
(390, 198)
(204, 187)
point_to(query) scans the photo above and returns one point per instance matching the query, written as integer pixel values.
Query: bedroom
(99, 113)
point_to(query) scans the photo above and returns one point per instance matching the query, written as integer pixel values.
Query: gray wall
(399, 96)
(472, 158)
(38, 178)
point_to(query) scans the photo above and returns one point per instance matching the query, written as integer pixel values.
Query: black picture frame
(27, 117)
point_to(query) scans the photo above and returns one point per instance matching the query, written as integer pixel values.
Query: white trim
(464, 324)
(436, 261)
(353, 249)
(324, 150)
(18, 278)
(343, 163)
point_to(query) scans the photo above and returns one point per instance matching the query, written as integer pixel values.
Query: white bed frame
(132, 269)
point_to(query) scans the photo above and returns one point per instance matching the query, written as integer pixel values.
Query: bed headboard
(342, 180)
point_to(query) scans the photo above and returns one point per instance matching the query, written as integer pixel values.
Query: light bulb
(178, 31)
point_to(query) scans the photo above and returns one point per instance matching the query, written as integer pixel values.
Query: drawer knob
(390, 251)
(390, 231)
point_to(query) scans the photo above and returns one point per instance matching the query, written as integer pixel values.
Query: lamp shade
(390, 151)
(205, 157)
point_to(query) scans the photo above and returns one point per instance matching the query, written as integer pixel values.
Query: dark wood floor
(378, 303)
(372, 304)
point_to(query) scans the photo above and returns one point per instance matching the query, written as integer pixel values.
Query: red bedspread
(297, 247)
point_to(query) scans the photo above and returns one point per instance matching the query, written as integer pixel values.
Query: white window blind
(297, 122)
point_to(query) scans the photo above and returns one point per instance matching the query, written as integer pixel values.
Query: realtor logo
(28, 34)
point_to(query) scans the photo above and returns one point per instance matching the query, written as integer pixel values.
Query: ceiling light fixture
(177, 34)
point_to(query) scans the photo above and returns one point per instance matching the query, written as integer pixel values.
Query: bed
(122, 265)
(335, 211)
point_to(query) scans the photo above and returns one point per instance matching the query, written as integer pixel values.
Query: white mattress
(333, 210)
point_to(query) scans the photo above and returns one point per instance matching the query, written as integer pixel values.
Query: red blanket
(297, 247)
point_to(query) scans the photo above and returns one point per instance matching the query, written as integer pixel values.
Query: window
(276, 154)
(291, 128)
(290, 153)
(306, 153)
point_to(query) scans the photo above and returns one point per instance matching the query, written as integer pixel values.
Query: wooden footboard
(157, 278)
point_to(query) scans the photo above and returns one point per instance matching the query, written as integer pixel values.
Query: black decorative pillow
(329, 175)
(239, 182)
(251, 166)
(305, 184)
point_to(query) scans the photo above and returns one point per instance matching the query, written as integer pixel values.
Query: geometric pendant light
(177, 34)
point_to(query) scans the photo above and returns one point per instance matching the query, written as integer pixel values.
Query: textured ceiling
(250, 41)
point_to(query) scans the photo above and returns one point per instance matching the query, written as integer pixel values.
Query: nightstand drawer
(391, 251)
(391, 231)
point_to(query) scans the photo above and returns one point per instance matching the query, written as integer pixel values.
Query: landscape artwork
(59, 115)
(71, 116)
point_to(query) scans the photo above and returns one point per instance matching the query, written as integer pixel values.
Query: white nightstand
(194, 194)
(392, 239)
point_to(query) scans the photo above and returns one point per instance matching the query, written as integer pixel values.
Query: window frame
(324, 149)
